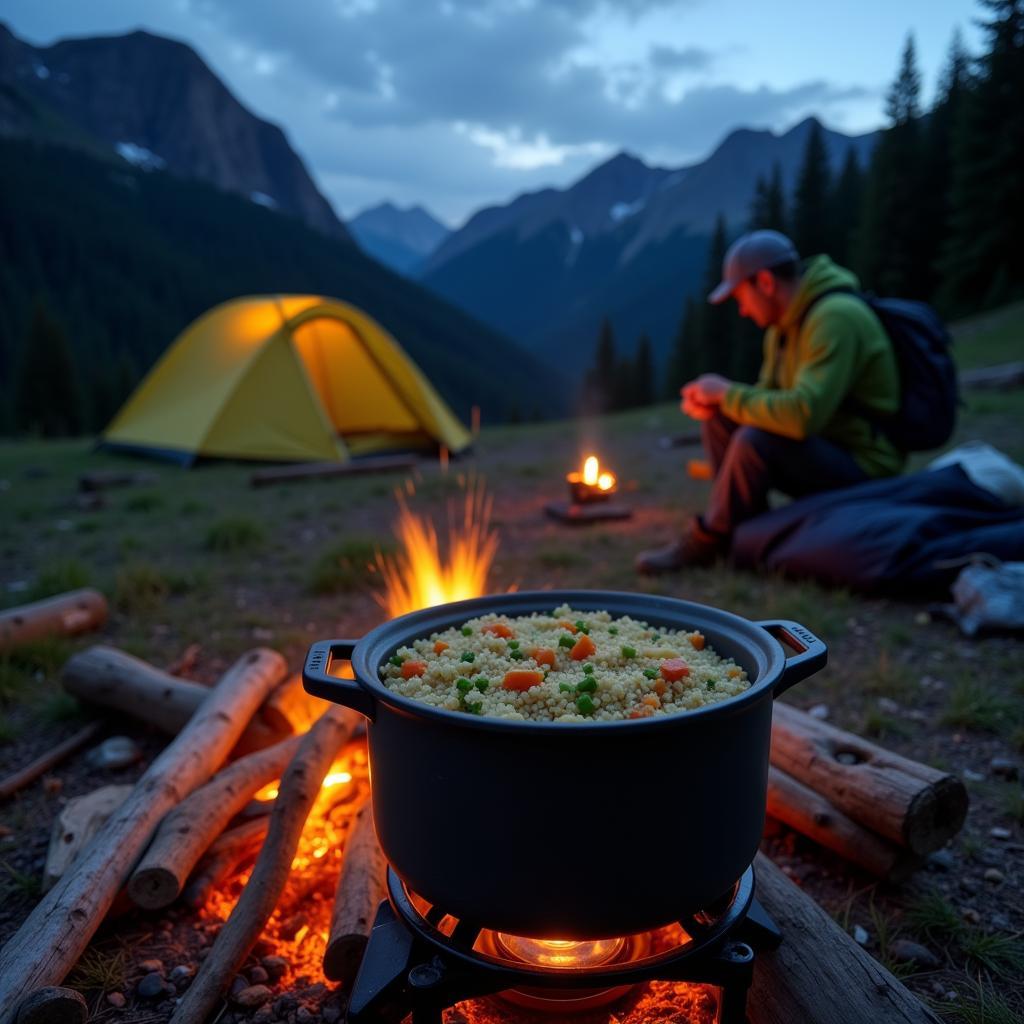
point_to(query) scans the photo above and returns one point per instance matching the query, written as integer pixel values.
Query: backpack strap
(799, 325)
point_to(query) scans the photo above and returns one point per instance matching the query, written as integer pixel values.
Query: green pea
(467, 656)
(651, 673)
(395, 660)
(566, 641)
(585, 704)
(711, 683)
(481, 683)
(463, 685)
(588, 684)
(516, 655)
(467, 631)
(614, 630)
(513, 644)
(475, 708)
(629, 652)
(566, 688)
(588, 668)
(656, 638)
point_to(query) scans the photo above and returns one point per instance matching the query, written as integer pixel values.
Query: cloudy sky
(456, 104)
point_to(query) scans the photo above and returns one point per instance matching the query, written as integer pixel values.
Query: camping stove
(420, 960)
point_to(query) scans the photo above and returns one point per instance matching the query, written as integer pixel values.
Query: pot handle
(318, 680)
(813, 654)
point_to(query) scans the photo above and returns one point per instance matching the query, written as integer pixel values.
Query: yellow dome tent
(283, 378)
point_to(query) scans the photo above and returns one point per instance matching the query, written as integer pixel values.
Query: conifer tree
(713, 352)
(768, 209)
(643, 373)
(47, 397)
(811, 233)
(601, 381)
(844, 207)
(983, 260)
(683, 357)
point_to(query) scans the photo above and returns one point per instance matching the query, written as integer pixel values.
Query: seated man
(806, 425)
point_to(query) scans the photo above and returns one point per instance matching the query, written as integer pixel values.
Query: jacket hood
(820, 274)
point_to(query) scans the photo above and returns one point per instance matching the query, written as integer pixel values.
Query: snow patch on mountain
(139, 156)
(262, 199)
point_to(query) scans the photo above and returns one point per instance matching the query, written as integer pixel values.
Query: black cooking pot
(560, 829)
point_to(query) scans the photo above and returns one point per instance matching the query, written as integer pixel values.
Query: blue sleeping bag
(887, 535)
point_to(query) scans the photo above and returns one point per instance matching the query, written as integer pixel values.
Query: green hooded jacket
(840, 350)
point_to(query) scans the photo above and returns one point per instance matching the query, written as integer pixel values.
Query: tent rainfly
(283, 378)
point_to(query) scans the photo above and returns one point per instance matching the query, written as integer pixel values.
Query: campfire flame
(592, 475)
(418, 576)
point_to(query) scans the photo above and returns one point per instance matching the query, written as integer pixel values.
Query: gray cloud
(689, 58)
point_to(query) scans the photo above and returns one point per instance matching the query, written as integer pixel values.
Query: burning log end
(53, 1005)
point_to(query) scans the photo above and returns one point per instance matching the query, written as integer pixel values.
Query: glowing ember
(418, 576)
(590, 482)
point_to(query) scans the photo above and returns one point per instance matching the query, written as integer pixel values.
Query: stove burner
(421, 959)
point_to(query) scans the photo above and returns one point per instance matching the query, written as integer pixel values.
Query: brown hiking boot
(695, 547)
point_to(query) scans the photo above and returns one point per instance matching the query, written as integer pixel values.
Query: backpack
(929, 391)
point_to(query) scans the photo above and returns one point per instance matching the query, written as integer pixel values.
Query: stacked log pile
(188, 823)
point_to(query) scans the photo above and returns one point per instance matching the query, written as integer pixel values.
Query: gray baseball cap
(754, 251)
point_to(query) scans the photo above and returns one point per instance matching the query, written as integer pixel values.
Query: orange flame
(418, 576)
(593, 476)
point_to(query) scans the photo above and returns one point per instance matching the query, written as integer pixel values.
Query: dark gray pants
(749, 462)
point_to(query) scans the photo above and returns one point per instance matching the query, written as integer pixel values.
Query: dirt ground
(201, 558)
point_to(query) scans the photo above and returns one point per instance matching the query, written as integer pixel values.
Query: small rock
(994, 875)
(116, 752)
(819, 711)
(275, 966)
(304, 1016)
(263, 947)
(314, 992)
(1003, 767)
(330, 1014)
(971, 916)
(922, 618)
(253, 996)
(290, 928)
(264, 1014)
(969, 884)
(890, 707)
(285, 1004)
(153, 966)
(152, 986)
(117, 1000)
(952, 996)
(860, 935)
(999, 833)
(257, 975)
(972, 776)
(847, 757)
(181, 972)
(905, 952)
(238, 983)
(999, 921)
(942, 860)
(989, 856)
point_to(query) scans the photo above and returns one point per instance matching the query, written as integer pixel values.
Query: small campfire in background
(589, 491)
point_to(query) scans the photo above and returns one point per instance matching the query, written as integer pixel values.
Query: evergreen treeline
(102, 265)
(938, 213)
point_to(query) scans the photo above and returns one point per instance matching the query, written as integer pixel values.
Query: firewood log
(289, 709)
(193, 825)
(78, 821)
(300, 786)
(113, 679)
(233, 847)
(64, 615)
(799, 807)
(908, 803)
(819, 973)
(43, 763)
(54, 935)
(53, 1005)
(361, 887)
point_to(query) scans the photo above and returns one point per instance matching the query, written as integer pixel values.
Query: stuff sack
(988, 595)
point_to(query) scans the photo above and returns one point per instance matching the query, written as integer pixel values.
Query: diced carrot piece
(413, 668)
(733, 672)
(570, 626)
(641, 711)
(673, 669)
(652, 700)
(543, 656)
(583, 648)
(499, 629)
(522, 679)
(440, 646)
(660, 687)
(697, 642)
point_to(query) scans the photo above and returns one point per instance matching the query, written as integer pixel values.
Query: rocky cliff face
(156, 104)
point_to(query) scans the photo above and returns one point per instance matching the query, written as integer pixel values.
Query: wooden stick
(793, 803)
(289, 709)
(43, 763)
(300, 786)
(361, 887)
(194, 824)
(233, 847)
(819, 973)
(909, 803)
(52, 938)
(110, 678)
(185, 662)
(64, 615)
(53, 1005)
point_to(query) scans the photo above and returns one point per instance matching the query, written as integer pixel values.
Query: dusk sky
(462, 103)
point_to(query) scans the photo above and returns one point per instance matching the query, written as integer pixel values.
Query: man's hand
(703, 396)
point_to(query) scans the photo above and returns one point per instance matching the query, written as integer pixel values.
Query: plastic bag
(988, 595)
